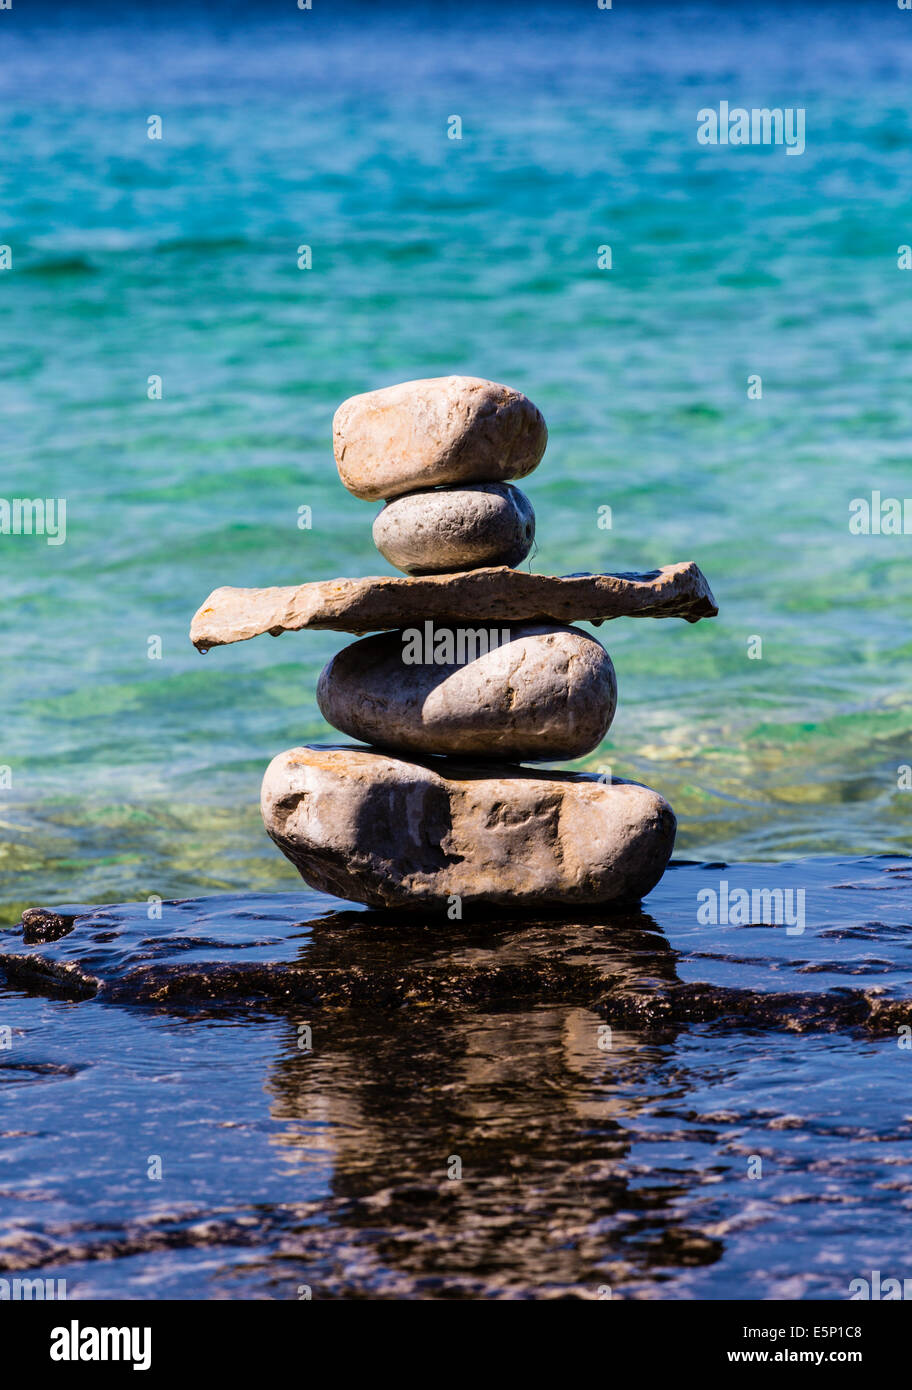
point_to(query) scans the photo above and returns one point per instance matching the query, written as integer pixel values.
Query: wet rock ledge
(650, 970)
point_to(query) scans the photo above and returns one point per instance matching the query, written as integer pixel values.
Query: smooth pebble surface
(448, 529)
(453, 429)
(544, 692)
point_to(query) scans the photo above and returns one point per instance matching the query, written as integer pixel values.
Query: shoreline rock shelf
(435, 806)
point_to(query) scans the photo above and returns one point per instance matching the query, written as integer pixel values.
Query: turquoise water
(131, 257)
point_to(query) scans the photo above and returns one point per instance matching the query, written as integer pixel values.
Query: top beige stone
(440, 430)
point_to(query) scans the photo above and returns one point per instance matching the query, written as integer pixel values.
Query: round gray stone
(531, 692)
(444, 530)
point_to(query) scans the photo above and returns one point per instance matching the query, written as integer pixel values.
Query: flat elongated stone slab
(496, 595)
(375, 829)
(447, 529)
(530, 692)
(444, 429)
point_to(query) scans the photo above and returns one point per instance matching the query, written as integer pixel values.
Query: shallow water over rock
(606, 1085)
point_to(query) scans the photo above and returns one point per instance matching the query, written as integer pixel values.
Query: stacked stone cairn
(471, 673)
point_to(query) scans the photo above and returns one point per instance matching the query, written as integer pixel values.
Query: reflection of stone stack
(479, 665)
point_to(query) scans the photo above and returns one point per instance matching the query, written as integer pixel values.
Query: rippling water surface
(637, 1101)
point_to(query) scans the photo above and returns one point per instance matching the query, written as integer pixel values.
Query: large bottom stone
(375, 829)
